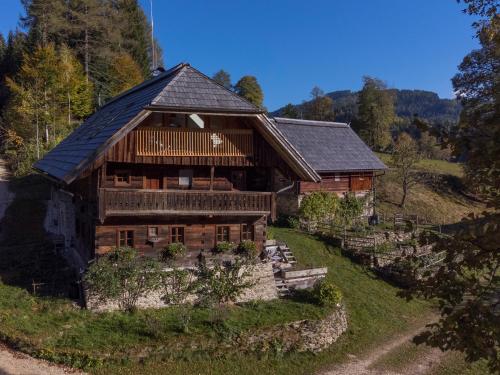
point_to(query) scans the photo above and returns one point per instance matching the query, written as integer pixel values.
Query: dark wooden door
(153, 181)
(239, 180)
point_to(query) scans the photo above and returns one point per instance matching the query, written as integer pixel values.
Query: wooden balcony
(143, 202)
(189, 142)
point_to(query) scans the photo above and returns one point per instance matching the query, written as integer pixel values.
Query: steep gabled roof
(181, 88)
(329, 146)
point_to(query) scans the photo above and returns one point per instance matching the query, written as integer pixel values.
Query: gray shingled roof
(329, 146)
(180, 88)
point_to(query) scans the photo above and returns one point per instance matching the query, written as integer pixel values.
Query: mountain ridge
(408, 103)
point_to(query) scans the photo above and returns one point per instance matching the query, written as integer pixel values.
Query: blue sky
(292, 45)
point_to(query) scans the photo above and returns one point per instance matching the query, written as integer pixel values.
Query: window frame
(122, 183)
(157, 227)
(171, 235)
(248, 234)
(217, 227)
(127, 231)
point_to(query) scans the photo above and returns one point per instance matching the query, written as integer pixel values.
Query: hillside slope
(439, 196)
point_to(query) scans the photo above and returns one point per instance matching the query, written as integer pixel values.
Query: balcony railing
(135, 202)
(188, 142)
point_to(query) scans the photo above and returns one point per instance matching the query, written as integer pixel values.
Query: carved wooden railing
(188, 142)
(119, 202)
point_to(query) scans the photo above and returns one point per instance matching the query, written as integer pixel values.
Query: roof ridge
(225, 88)
(145, 83)
(312, 122)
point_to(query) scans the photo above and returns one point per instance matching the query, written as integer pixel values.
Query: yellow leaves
(12, 138)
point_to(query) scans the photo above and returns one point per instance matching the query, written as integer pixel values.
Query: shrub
(173, 250)
(224, 247)
(327, 293)
(222, 283)
(248, 249)
(293, 222)
(122, 276)
(319, 207)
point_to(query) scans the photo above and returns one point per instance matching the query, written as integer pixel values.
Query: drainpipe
(286, 188)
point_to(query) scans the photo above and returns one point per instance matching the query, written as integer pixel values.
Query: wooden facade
(159, 185)
(339, 183)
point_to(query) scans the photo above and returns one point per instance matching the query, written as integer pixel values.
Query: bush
(327, 294)
(173, 250)
(224, 247)
(122, 276)
(248, 248)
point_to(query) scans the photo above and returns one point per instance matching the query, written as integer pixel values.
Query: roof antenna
(153, 51)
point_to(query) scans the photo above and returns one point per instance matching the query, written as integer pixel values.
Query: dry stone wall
(301, 336)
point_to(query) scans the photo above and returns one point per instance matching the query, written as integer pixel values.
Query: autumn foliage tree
(404, 158)
(376, 113)
(466, 284)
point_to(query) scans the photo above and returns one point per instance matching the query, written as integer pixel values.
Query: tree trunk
(405, 193)
(37, 136)
(69, 109)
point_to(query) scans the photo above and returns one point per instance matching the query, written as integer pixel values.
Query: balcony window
(125, 238)
(176, 234)
(153, 232)
(246, 232)
(222, 233)
(122, 178)
(185, 178)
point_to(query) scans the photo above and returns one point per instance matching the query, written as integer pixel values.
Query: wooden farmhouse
(179, 158)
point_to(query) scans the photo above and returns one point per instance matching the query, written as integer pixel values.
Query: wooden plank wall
(264, 156)
(359, 181)
(197, 236)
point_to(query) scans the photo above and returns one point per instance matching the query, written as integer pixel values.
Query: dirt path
(365, 365)
(14, 363)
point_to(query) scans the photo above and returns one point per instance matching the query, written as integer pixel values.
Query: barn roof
(329, 146)
(181, 88)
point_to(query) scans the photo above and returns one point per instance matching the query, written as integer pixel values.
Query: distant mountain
(425, 104)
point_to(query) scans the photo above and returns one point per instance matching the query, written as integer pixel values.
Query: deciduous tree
(248, 88)
(376, 113)
(404, 158)
(320, 107)
(223, 78)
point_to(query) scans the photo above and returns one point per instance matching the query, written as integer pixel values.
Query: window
(222, 233)
(246, 232)
(185, 178)
(153, 232)
(177, 234)
(126, 238)
(337, 177)
(122, 178)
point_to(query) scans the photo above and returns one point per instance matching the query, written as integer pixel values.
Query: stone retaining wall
(301, 336)
(263, 289)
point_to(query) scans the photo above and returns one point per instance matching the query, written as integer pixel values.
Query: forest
(66, 59)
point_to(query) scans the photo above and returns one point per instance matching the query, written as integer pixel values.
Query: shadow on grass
(27, 256)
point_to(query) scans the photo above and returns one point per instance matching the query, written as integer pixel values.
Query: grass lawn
(150, 341)
(430, 165)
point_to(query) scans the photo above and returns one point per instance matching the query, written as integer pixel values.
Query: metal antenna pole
(153, 52)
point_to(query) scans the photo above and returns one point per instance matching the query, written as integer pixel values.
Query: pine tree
(136, 34)
(223, 78)
(248, 88)
(11, 62)
(376, 113)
